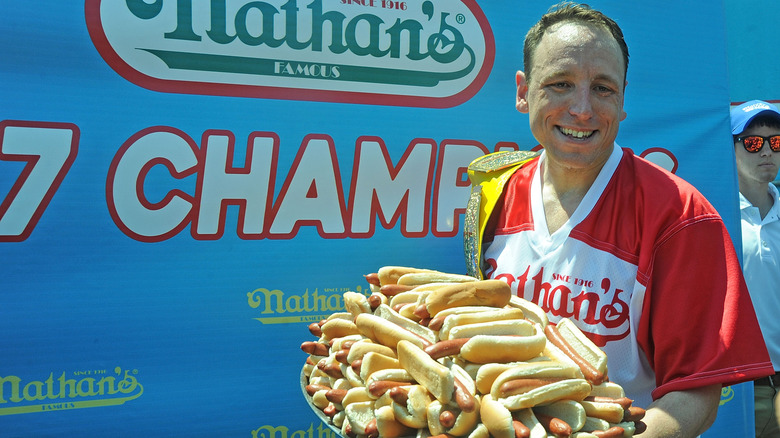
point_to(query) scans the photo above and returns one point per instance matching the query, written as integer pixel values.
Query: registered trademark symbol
(460, 18)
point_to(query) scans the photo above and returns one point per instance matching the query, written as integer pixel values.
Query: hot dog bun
(434, 376)
(385, 332)
(418, 278)
(495, 348)
(391, 274)
(497, 418)
(557, 382)
(591, 359)
(492, 293)
(569, 411)
(531, 310)
(386, 313)
(387, 425)
(411, 408)
(484, 315)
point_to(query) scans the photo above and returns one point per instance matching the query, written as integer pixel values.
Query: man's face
(575, 94)
(758, 167)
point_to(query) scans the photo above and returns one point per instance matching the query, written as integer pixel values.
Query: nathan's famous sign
(407, 53)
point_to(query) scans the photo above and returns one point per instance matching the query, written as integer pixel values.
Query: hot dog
(410, 405)
(570, 339)
(385, 332)
(356, 303)
(570, 387)
(492, 293)
(387, 425)
(608, 411)
(485, 315)
(374, 361)
(530, 310)
(571, 412)
(418, 278)
(434, 376)
(360, 348)
(338, 328)
(388, 314)
(450, 419)
(498, 419)
(502, 349)
(391, 274)
(361, 418)
(529, 420)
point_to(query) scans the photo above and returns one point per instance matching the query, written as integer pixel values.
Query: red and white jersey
(644, 267)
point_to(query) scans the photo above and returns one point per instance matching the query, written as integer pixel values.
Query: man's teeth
(577, 134)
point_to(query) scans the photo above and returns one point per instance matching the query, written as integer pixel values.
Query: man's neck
(759, 196)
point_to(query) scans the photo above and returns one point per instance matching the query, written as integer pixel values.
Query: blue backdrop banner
(186, 185)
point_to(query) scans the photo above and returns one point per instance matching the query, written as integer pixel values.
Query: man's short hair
(576, 13)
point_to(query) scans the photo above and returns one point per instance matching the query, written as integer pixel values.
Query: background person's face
(759, 167)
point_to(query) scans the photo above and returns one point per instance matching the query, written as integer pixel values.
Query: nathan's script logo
(77, 390)
(321, 431)
(409, 53)
(278, 307)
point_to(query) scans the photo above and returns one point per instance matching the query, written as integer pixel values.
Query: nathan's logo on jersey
(278, 307)
(77, 390)
(408, 52)
(595, 304)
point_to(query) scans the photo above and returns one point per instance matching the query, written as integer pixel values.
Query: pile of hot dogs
(437, 354)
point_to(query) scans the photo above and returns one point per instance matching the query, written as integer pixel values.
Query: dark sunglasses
(754, 143)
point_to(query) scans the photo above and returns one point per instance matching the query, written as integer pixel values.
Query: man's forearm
(682, 413)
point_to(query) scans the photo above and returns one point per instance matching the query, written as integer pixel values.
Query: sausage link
(399, 395)
(379, 387)
(311, 389)
(315, 348)
(555, 426)
(463, 398)
(634, 413)
(521, 430)
(612, 432)
(448, 347)
(447, 419)
(336, 395)
(372, 278)
(371, 429)
(625, 402)
(315, 329)
(391, 290)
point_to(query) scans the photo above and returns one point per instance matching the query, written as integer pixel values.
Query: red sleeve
(698, 325)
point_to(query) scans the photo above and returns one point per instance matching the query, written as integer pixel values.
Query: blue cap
(742, 115)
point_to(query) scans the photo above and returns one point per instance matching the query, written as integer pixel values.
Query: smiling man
(756, 129)
(632, 254)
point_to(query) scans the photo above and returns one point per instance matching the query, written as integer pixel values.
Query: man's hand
(683, 413)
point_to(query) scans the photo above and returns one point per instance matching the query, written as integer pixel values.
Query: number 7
(49, 150)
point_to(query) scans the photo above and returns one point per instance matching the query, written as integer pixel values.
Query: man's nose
(580, 105)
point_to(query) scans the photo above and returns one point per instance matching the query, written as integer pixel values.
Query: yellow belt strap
(488, 175)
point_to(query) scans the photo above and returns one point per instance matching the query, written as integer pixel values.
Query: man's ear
(623, 111)
(522, 92)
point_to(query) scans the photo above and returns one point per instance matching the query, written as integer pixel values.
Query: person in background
(631, 253)
(755, 126)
